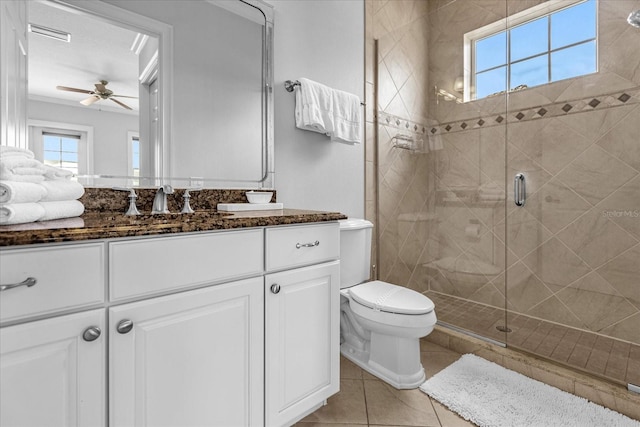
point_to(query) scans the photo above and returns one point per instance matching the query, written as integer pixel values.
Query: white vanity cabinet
(53, 372)
(226, 328)
(189, 359)
(302, 323)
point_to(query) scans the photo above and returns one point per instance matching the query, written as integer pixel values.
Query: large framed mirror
(155, 91)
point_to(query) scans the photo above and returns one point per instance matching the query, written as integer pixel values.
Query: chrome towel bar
(290, 86)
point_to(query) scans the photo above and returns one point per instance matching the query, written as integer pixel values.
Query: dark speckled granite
(108, 200)
(104, 218)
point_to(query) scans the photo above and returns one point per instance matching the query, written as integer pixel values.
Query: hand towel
(75, 222)
(347, 123)
(61, 189)
(62, 209)
(19, 213)
(16, 168)
(21, 192)
(53, 173)
(314, 107)
(6, 151)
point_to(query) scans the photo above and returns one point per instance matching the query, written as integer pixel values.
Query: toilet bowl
(381, 324)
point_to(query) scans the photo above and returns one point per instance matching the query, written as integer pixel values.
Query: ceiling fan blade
(100, 87)
(124, 96)
(121, 104)
(90, 100)
(73, 89)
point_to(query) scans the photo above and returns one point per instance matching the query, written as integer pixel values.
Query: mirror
(196, 74)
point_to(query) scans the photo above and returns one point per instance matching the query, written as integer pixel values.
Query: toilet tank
(355, 251)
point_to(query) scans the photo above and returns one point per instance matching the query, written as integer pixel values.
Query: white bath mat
(489, 395)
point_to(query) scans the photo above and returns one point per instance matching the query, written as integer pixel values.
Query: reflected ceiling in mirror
(212, 111)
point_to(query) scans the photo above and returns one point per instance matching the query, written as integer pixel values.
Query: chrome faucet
(160, 201)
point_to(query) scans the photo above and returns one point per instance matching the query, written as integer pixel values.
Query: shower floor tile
(612, 359)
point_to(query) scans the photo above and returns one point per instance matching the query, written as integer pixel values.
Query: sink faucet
(160, 201)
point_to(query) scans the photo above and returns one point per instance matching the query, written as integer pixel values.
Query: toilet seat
(385, 297)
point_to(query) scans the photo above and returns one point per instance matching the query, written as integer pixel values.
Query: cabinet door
(302, 340)
(50, 375)
(190, 359)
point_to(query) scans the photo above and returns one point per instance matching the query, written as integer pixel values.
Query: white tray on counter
(236, 207)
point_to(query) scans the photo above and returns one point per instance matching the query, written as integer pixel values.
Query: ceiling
(97, 51)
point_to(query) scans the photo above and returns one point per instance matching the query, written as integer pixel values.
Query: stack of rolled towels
(32, 191)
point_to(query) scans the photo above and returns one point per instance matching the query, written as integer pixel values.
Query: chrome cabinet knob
(92, 333)
(275, 288)
(124, 326)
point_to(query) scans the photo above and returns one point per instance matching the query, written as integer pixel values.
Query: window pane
(51, 156)
(532, 72)
(491, 82)
(69, 157)
(69, 144)
(530, 39)
(491, 52)
(573, 25)
(51, 143)
(574, 61)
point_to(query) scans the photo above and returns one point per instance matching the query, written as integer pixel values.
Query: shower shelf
(407, 142)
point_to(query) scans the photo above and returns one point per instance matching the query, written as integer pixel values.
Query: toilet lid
(384, 296)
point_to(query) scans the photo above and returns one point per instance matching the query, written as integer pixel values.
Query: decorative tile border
(564, 108)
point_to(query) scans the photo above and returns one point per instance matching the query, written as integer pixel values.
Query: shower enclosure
(504, 171)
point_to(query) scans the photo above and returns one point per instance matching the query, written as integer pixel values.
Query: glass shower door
(574, 243)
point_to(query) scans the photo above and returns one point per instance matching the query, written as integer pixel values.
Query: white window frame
(506, 24)
(85, 146)
(131, 135)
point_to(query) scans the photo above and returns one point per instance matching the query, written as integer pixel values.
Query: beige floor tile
(349, 370)
(435, 361)
(346, 407)
(389, 406)
(449, 418)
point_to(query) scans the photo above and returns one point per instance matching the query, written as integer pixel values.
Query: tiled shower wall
(574, 249)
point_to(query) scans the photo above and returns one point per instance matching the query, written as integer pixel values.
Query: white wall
(322, 40)
(110, 142)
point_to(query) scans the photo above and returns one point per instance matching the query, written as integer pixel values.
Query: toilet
(380, 324)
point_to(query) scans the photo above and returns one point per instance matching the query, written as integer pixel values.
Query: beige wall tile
(596, 239)
(623, 273)
(595, 174)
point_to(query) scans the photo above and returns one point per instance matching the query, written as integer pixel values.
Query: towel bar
(290, 85)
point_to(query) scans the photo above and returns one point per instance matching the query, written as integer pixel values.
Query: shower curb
(605, 393)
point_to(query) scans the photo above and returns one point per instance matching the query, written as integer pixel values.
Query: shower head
(634, 19)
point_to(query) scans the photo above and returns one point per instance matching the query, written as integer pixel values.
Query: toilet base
(407, 372)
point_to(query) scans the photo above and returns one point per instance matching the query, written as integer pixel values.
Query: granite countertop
(103, 225)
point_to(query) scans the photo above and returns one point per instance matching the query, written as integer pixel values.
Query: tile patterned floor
(613, 359)
(364, 400)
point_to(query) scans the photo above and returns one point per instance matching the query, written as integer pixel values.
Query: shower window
(538, 46)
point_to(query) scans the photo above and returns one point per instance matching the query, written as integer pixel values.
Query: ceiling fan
(100, 92)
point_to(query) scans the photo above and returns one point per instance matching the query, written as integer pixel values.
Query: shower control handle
(519, 190)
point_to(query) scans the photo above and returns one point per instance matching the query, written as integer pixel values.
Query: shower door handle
(519, 190)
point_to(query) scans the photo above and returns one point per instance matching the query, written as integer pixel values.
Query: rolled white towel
(21, 192)
(6, 151)
(52, 173)
(61, 189)
(16, 168)
(19, 213)
(61, 209)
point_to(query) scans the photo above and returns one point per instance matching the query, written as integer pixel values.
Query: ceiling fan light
(50, 32)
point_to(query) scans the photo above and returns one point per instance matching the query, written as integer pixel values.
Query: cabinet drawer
(157, 265)
(67, 277)
(300, 245)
